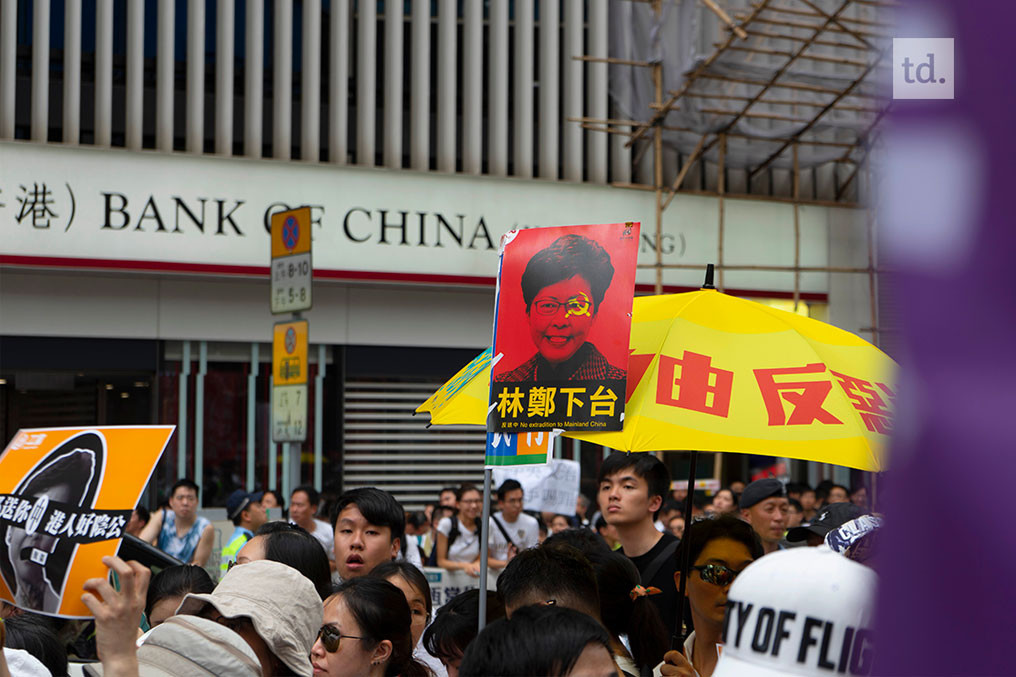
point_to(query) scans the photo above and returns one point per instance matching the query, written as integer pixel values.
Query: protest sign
(65, 496)
(561, 328)
(519, 448)
(445, 585)
(553, 487)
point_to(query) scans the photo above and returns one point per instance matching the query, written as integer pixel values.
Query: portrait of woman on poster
(563, 286)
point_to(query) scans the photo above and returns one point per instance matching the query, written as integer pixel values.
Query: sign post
(292, 273)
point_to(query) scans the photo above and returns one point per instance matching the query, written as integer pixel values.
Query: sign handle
(484, 534)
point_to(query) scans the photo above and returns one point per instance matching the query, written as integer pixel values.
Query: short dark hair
(410, 573)
(583, 540)
(278, 499)
(558, 572)
(454, 490)
(34, 635)
(186, 484)
(293, 546)
(378, 507)
(313, 497)
(671, 505)
(416, 519)
(840, 486)
(176, 581)
(795, 504)
(143, 514)
(464, 489)
(699, 533)
(454, 627)
(645, 466)
(508, 485)
(566, 257)
(382, 612)
(538, 640)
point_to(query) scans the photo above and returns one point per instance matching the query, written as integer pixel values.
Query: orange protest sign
(65, 496)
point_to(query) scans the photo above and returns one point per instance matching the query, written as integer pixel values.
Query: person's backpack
(453, 533)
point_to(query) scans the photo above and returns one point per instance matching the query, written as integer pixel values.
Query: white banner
(546, 488)
(94, 208)
(444, 584)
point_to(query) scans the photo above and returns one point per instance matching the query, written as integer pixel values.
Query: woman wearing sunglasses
(366, 633)
(720, 549)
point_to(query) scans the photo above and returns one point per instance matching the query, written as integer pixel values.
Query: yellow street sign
(292, 266)
(291, 232)
(289, 353)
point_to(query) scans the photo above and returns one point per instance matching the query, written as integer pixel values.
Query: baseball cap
(802, 611)
(829, 517)
(760, 490)
(240, 499)
(281, 602)
(856, 539)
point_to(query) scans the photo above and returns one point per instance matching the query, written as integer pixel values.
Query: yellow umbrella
(712, 372)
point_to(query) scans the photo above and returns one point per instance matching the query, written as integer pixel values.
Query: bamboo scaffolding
(853, 32)
(597, 124)
(857, 35)
(815, 120)
(784, 85)
(725, 18)
(695, 154)
(818, 13)
(772, 269)
(810, 57)
(691, 78)
(745, 196)
(795, 38)
(783, 102)
(783, 69)
(721, 170)
(797, 229)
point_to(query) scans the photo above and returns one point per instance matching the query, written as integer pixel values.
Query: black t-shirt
(666, 601)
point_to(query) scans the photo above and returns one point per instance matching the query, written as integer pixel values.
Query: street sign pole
(291, 292)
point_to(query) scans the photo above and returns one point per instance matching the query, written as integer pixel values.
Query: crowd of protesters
(339, 589)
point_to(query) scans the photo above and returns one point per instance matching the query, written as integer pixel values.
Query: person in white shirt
(303, 505)
(458, 538)
(522, 530)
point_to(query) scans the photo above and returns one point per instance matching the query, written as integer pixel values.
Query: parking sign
(291, 261)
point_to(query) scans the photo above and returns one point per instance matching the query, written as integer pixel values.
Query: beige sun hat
(281, 602)
(191, 646)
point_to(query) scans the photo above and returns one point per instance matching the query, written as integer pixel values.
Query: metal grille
(386, 446)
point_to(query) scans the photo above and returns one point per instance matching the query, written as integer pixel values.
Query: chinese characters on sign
(291, 261)
(289, 381)
(792, 396)
(561, 328)
(66, 495)
(37, 205)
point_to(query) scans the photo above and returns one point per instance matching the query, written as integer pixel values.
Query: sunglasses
(330, 637)
(717, 574)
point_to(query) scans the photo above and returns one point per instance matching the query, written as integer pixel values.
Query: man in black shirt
(631, 492)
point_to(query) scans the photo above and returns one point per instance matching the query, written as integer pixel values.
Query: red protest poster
(65, 496)
(561, 328)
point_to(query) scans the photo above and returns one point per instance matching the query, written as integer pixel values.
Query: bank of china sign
(116, 209)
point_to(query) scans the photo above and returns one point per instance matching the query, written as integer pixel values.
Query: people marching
(343, 592)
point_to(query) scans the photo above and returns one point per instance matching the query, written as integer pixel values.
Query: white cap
(803, 611)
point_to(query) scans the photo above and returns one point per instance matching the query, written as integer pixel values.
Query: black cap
(240, 499)
(760, 490)
(830, 517)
